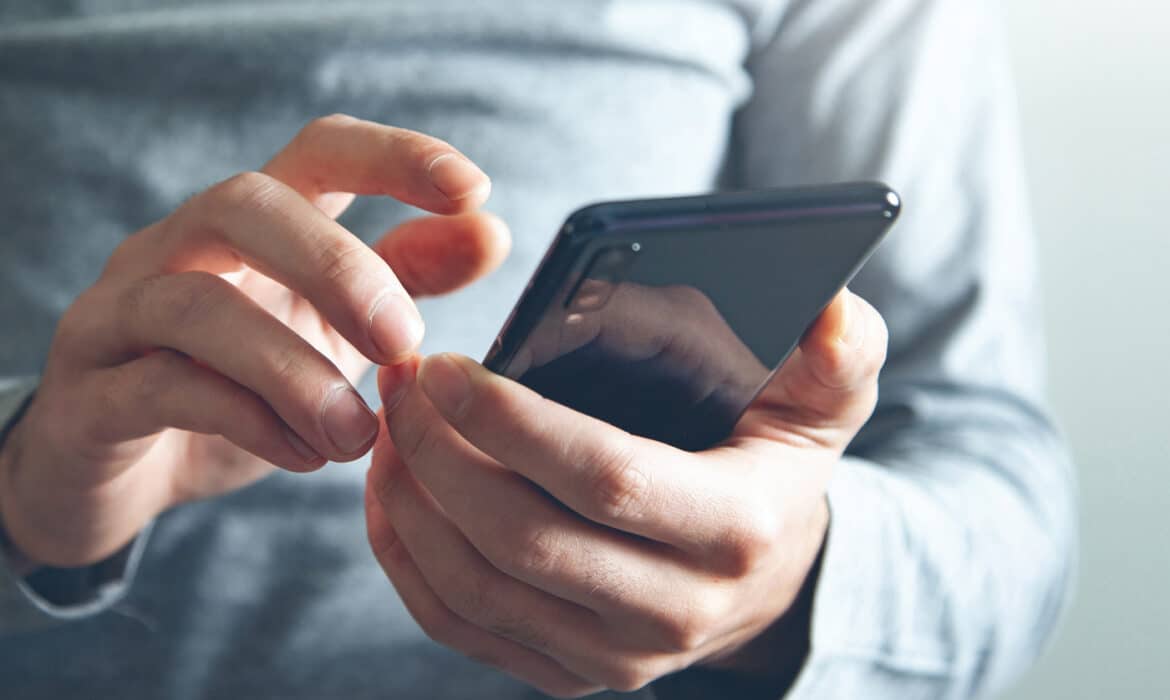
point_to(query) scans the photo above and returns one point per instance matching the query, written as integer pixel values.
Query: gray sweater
(949, 553)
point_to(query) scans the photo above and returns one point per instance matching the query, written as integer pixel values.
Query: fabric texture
(949, 554)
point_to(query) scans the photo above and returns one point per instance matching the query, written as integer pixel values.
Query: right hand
(226, 338)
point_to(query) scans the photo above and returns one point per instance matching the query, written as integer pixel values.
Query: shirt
(951, 543)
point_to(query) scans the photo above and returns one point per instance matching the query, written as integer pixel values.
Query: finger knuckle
(125, 390)
(126, 256)
(683, 633)
(155, 373)
(518, 630)
(748, 540)
(690, 300)
(536, 551)
(627, 675)
(479, 598)
(414, 439)
(620, 486)
(196, 296)
(324, 125)
(69, 332)
(439, 624)
(485, 656)
(694, 623)
(836, 367)
(175, 301)
(289, 369)
(472, 596)
(135, 302)
(566, 688)
(95, 426)
(247, 190)
(75, 330)
(338, 263)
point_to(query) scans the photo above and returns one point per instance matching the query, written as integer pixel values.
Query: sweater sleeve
(951, 547)
(51, 596)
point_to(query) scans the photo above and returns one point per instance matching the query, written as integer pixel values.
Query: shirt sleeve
(51, 596)
(951, 546)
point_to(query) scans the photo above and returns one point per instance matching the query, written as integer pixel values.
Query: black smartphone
(665, 317)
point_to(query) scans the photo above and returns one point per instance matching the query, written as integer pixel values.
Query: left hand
(578, 557)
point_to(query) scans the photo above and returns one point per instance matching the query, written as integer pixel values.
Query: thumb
(831, 379)
(439, 254)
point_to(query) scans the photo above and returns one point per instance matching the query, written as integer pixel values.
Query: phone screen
(670, 330)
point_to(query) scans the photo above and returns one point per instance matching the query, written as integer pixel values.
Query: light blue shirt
(950, 550)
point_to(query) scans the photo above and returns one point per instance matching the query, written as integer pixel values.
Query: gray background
(1094, 81)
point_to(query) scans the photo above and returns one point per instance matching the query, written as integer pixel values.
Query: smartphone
(666, 317)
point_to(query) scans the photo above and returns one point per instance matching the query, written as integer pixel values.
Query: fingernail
(308, 454)
(396, 328)
(349, 423)
(446, 384)
(456, 176)
(853, 322)
(400, 377)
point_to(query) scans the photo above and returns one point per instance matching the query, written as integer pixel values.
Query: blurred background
(1094, 84)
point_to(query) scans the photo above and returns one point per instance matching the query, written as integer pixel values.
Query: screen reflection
(660, 362)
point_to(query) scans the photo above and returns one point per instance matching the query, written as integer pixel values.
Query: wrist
(19, 562)
(101, 520)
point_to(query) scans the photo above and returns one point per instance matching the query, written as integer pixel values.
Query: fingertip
(459, 180)
(300, 467)
(841, 323)
(495, 243)
(334, 204)
(839, 347)
(395, 380)
(822, 349)
(446, 380)
(435, 255)
(852, 330)
(463, 361)
(829, 325)
(396, 328)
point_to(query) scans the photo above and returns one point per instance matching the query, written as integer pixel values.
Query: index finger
(257, 220)
(603, 473)
(339, 153)
(267, 221)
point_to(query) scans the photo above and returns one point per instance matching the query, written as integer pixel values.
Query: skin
(578, 557)
(223, 341)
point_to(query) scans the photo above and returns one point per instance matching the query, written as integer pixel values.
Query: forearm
(950, 552)
(947, 566)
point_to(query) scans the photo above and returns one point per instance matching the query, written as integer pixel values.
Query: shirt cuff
(49, 596)
(858, 600)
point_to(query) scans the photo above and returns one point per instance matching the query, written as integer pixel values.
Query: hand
(226, 338)
(578, 557)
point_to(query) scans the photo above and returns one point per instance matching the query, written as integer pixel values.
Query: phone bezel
(615, 222)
